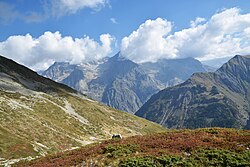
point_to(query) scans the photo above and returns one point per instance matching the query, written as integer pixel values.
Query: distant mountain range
(39, 116)
(121, 83)
(215, 99)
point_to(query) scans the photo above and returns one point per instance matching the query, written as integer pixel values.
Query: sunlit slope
(39, 116)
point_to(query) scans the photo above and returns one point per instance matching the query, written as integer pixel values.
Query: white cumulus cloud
(148, 42)
(225, 34)
(39, 53)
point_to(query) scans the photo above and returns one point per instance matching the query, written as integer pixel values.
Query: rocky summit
(215, 99)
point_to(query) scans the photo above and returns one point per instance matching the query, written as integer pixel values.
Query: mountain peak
(119, 57)
(236, 65)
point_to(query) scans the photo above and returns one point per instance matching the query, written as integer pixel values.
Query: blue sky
(129, 14)
(117, 18)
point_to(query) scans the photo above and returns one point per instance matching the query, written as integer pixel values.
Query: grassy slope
(201, 147)
(34, 125)
(39, 116)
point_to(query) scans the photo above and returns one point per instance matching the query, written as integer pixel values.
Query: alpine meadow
(112, 83)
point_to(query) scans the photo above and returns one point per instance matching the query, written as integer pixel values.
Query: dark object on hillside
(117, 136)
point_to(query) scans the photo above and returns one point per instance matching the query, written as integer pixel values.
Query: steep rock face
(121, 83)
(75, 76)
(206, 99)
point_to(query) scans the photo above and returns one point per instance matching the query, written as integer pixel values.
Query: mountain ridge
(10, 67)
(219, 98)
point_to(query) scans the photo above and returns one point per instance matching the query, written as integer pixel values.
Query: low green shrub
(219, 158)
(116, 151)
